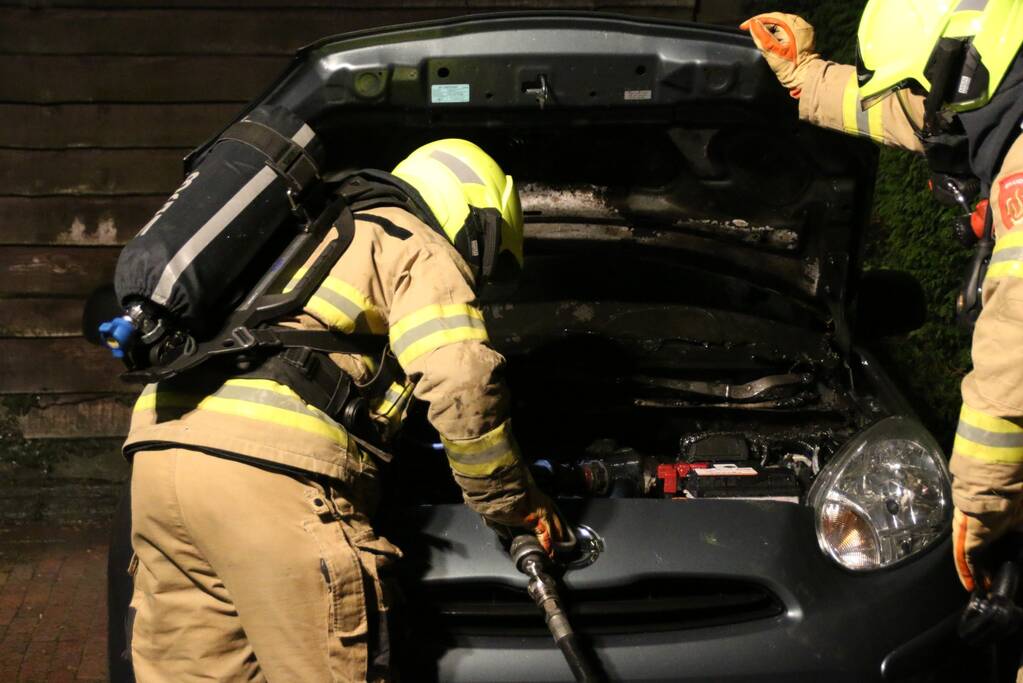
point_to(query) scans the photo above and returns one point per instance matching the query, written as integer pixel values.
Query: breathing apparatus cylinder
(180, 276)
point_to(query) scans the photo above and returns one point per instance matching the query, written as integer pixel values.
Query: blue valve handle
(118, 334)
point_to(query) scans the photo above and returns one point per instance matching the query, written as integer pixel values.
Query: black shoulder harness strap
(371, 189)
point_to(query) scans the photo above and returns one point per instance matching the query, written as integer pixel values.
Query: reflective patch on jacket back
(1010, 201)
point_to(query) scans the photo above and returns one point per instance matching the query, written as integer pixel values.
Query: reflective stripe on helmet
(435, 326)
(461, 169)
(484, 455)
(989, 438)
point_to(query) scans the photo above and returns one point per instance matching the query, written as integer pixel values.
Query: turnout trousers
(244, 574)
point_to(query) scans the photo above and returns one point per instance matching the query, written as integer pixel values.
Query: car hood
(615, 128)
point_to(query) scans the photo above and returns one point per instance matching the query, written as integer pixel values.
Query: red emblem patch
(1010, 201)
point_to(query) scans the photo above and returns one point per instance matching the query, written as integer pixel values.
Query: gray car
(755, 498)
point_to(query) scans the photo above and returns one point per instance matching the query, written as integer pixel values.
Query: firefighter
(254, 554)
(944, 78)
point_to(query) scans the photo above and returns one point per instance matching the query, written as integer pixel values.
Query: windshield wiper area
(773, 391)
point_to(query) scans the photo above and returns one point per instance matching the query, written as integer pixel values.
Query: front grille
(640, 607)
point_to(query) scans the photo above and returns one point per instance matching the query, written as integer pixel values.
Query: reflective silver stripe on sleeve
(461, 169)
(1008, 254)
(391, 396)
(340, 302)
(208, 232)
(975, 5)
(996, 439)
(429, 327)
(493, 453)
(862, 120)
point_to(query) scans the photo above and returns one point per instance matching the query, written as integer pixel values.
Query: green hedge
(909, 232)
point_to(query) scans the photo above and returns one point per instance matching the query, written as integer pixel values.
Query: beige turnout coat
(400, 279)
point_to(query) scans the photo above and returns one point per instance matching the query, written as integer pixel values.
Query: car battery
(742, 481)
(728, 480)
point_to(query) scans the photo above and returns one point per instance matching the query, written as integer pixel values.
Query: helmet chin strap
(943, 71)
(483, 229)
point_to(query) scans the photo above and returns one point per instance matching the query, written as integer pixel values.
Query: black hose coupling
(992, 616)
(530, 559)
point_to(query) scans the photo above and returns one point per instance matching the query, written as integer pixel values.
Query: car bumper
(831, 625)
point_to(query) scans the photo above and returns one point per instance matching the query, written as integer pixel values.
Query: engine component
(759, 390)
(779, 466)
(715, 448)
(610, 471)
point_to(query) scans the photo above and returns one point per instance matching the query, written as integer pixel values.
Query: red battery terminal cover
(671, 473)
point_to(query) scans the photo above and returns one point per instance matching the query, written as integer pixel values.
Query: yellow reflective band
(1009, 240)
(392, 398)
(856, 120)
(253, 399)
(435, 326)
(1007, 258)
(433, 312)
(989, 438)
(980, 451)
(851, 105)
(875, 122)
(484, 455)
(439, 339)
(988, 423)
(280, 416)
(339, 305)
(1006, 269)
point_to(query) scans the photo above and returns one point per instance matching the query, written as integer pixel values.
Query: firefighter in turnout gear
(255, 557)
(945, 78)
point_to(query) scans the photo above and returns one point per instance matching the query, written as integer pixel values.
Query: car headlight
(885, 496)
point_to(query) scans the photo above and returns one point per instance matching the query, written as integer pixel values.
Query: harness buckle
(243, 338)
(301, 358)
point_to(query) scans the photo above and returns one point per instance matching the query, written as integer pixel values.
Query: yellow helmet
(475, 203)
(957, 51)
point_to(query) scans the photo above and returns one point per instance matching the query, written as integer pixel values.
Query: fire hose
(992, 615)
(530, 559)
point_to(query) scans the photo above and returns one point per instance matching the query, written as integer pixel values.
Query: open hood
(614, 128)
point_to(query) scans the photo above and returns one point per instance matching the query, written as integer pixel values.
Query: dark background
(99, 101)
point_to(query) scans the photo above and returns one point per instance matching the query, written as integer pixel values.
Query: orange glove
(545, 522)
(786, 41)
(538, 514)
(971, 536)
